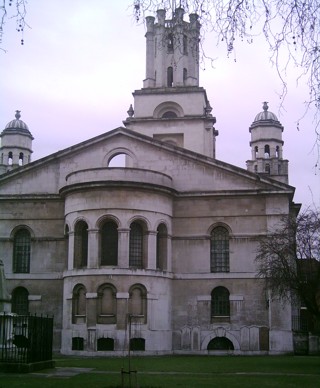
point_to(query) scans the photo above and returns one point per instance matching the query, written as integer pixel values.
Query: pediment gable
(188, 171)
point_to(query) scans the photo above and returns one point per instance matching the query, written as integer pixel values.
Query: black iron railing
(25, 339)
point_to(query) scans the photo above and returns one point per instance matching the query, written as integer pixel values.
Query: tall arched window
(109, 243)
(170, 77)
(20, 302)
(21, 159)
(162, 243)
(219, 250)
(107, 304)
(267, 151)
(10, 158)
(256, 150)
(170, 43)
(185, 45)
(220, 304)
(21, 251)
(136, 245)
(81, 244)
(79, 305)
(137, 305)
(185, 75)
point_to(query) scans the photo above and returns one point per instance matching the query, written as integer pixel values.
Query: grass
(178, 371)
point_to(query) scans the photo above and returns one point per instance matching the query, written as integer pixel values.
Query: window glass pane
(109, 244)
(136, 245)
(220, 250)
(21, 251)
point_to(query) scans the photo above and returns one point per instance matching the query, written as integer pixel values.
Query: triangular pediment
(188, 171)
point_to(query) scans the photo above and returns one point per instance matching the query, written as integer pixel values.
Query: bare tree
(289, 261)
(291, 29)
(13, 9)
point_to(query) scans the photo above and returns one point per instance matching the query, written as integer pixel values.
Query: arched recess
(137, 304)
(162, 247)
(220, 343)
(106, 304)
(120, 157)
(220, 332)
(168, 106)
(79, 304)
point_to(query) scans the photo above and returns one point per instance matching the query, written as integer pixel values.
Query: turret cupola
(266, 146)
(16, 144)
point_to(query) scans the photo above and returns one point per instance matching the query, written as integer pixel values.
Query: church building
(159, 253)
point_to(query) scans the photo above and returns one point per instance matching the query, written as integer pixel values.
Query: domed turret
(266, 146)
(16, 144)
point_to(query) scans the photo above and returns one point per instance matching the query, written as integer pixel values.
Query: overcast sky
(73, 79)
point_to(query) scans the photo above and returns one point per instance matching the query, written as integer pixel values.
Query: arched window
(220, 343)
(109, 243)
(107, 304)
(10, 158)
(185, 75)
(136, 245)
(255, 168)
(220, 304)
(81, 245)
(256, 150)
(20, 301)
(21, 251)
(185, 45)
(170, 77)
(277, 151)
(79, 305)
(219, 250)
(137, 305)
(170, 43)
(162, 243)
(266, 151)
(21, 159)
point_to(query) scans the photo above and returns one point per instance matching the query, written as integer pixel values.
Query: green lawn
(176, 371)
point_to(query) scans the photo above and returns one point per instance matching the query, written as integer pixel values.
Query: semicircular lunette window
(169, 115)
(121, 160)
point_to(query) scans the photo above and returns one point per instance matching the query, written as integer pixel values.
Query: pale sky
(74, 77)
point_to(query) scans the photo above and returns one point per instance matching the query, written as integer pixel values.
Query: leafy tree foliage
(289, 260)
(290, 27)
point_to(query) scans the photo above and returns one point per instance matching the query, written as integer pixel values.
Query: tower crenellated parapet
(172, 50)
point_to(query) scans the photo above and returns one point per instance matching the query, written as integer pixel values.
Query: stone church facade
(160, 252)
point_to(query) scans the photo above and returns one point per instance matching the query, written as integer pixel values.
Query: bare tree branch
(13, 9)
(289, 260)
(290, 27)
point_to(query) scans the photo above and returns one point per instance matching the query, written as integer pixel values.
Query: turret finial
(265, 106)
(17, 115)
